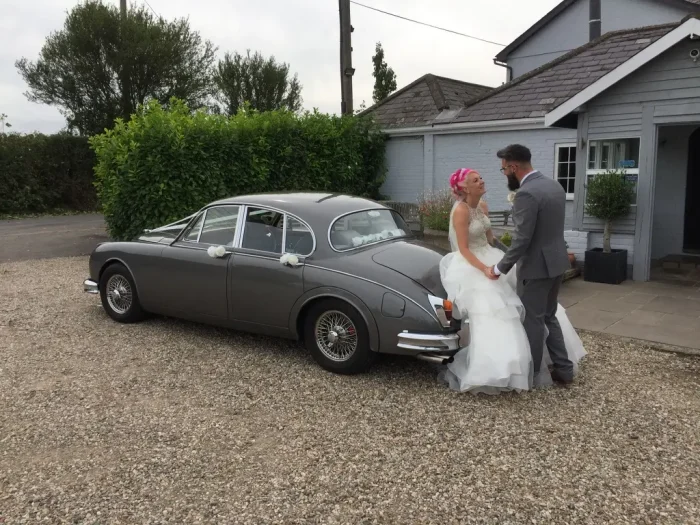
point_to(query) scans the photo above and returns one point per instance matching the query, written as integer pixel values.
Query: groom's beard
(513, 183)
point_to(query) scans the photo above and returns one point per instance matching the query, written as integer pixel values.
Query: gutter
(509, 69)
(470, 127)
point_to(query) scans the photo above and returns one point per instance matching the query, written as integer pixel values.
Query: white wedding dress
(498, 356)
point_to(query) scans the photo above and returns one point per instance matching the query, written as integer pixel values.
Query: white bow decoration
(289, 259)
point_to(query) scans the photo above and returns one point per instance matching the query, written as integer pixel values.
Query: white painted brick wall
(578, 243)
(478, 151)
(617, 242)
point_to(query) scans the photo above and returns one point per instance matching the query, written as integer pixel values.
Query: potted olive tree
(608, 197)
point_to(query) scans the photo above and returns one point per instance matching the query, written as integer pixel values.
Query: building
(630, 96)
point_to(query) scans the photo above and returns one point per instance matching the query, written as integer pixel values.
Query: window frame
(238, 243)
(590, 173)
(204, 222)
(557, 148)
(409, 233)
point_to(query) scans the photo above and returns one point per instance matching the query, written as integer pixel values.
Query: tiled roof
(540, 91)
(502, 56)
(423, 100)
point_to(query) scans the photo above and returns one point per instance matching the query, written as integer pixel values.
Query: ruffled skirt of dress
(498, 356)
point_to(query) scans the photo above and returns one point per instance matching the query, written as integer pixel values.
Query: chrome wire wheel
(119, 295)
(336, 336)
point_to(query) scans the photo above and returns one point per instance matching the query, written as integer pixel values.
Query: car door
(195, 284)
(263, 290)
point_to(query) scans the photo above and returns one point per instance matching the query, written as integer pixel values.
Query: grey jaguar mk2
(340, 273)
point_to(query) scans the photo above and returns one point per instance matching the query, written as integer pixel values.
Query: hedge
(39, 173)
(166, 163)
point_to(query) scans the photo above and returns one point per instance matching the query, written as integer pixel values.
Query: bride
(498, 356)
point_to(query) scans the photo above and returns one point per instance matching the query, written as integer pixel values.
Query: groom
(539, 249)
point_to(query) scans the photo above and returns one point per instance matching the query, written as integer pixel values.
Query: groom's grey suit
(539, 249)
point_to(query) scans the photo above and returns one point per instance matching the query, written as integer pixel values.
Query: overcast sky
(303, 33)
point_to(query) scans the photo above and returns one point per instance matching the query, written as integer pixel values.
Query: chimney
(594, 20)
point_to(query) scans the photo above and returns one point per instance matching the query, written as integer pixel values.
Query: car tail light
(447, 307)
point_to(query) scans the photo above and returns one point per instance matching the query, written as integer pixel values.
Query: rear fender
(329, 292)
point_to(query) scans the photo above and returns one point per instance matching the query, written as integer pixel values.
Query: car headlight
(442, 309)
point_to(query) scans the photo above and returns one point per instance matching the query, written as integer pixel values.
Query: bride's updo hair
(457, 178)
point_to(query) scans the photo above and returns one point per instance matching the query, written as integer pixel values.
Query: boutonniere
(511, 197)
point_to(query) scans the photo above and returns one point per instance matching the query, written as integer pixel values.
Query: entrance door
(691, 231)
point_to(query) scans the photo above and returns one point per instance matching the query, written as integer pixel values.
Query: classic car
(344, 275)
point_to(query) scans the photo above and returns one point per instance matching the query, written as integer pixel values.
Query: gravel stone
(172, 422)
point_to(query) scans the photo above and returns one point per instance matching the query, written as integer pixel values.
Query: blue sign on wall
(627, 164)
(631, 178)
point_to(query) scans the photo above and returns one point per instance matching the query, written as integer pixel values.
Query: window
(263, 230)
(298, 239)
(220, 225)
(192, 233)
(565, 168)
(614, 154)
(367, 227)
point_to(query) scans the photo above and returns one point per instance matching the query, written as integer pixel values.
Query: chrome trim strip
(385, 208)
(201, 226)
(378, 284)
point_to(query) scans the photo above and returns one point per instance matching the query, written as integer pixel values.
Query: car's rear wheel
(119, 296)
(337, 337)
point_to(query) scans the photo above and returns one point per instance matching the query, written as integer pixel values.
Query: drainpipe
(594, 20)
(509, 69)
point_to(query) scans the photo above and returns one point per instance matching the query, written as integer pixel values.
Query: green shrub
(506, 239)
(40, 173)
(434, 208)
(165, 164)
(609, 197)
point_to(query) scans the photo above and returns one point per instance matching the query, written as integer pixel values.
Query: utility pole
(346, 69)
(126, 74)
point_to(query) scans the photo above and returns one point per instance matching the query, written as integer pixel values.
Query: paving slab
(659, 312)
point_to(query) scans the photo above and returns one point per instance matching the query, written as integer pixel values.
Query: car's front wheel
(336, 335)
(119, 296)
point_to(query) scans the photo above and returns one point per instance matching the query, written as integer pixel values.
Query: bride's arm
(461, 224)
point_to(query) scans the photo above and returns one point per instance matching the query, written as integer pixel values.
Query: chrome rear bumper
(90, 286)
(429, 342)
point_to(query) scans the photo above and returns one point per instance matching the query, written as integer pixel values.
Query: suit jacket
(538, 244)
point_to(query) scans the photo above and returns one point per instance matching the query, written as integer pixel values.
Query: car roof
(315, 204)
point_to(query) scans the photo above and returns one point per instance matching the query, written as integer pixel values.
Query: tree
(81, 68)
(609, 197)
(260, 82)
(384, 76)
(3, 122)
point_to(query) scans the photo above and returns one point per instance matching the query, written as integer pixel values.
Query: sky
(302, 33)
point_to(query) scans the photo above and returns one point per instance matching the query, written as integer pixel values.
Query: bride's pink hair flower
(457, 178)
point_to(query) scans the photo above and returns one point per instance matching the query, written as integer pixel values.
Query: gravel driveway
(170, 422)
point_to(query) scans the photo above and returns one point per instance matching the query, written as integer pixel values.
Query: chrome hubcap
(119, 294)
(336, 336)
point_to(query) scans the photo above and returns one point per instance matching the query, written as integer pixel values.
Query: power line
(154, 11)
(426, 24)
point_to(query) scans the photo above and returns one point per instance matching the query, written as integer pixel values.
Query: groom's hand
(488, 272)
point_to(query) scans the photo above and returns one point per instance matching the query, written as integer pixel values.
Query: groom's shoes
(560, 379)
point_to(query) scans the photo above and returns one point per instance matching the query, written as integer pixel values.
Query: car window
(367, 227)
(298, 238)
(220, 225)
(263, 230)
(192, 233)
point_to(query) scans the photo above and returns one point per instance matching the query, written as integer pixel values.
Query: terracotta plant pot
(572, 259)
